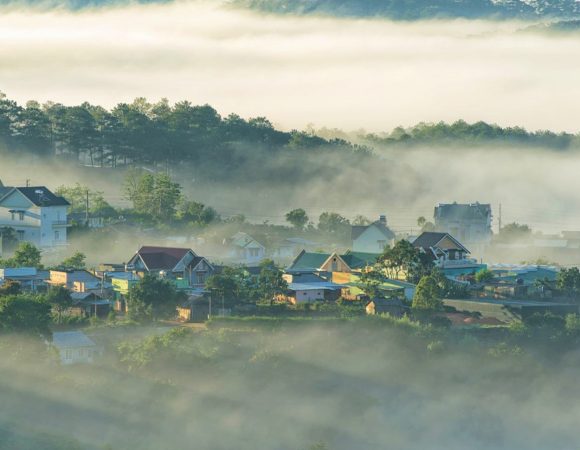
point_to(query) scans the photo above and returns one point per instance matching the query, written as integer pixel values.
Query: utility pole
(499, 219)
(87, 208)
(28, 182)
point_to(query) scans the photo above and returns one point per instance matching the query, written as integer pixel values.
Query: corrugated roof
(325, 286)
(309, 260)
(71, 339)
(358, 260)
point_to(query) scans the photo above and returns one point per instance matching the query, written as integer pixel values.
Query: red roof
(162, 258)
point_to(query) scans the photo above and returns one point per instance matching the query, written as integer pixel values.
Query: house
(309, 292)
(89, 304)
(29, 277)
(74, 347)
(70, 278)
(291, 247)
(373, 238)
(391, 306)
(36, 215)
(332, 262)
(469, 223)
(244, 249)
(447, 253)
(182, 265)
(353, 289)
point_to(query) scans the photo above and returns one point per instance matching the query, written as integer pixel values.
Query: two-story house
(373, 238)
(244, 249)
(36, 215)
(447, 253)
(469, 223)
(180, 264)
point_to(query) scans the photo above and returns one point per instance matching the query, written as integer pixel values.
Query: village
(440, 275)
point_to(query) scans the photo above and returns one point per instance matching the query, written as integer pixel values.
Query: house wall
(309, 295)
(335, 264)
(42, 226)
(76, 355)
(372, 240)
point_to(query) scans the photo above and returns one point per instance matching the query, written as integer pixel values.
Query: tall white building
(469, 223)
(35, 214)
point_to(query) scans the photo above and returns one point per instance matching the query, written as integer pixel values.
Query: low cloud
(373, 74)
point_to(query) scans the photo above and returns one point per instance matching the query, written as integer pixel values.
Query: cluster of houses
(39, 216)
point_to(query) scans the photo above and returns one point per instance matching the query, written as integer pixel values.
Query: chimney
(383, 219)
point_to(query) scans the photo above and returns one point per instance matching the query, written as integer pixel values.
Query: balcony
(457, 263)
(61, 223)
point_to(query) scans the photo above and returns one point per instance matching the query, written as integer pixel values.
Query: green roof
(358, 260)
(307, 260)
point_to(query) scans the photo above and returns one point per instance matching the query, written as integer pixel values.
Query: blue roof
(326, 286)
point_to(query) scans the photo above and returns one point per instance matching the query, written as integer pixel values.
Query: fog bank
(372, 74)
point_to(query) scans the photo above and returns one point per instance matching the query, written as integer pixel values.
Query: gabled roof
(358, 230)
(162, 258)
(359, 260)
(37, 195)
(241, 239)
(430, 239)
(309, 260)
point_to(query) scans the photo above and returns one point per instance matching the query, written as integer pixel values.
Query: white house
(469, 223)
(372, 238)
(74, 347)
(245, 249)
(36, 215)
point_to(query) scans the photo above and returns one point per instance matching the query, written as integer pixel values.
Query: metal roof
(71, 339)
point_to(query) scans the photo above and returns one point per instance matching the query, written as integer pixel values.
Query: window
(12, 216)
(68, 354)
(382, 244)
(20, 215)
(20, 234)
(57, 235)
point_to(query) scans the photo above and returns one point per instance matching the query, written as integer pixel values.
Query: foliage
(24, 313)
(514, 232)
(270, 281)
(297, 218)
(26, 255)
(568, 281)
(78, 195)
(60, 299)
(152, 298)
(153, 194)
(195, 213)
(425, 225)
(370, 281)
(428, 295)
(484, 276)
(10, 287)
(332, 222)
(8, 239)
(404, 259)
(76, 261)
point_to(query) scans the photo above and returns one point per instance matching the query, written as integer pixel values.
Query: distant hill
(394, 9)
(422, 9)
(462, 134)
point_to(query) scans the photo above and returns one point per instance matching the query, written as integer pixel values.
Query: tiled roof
(162, 258)
(42, 196)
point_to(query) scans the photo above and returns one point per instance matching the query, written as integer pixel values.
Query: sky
(370, 74)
